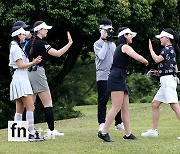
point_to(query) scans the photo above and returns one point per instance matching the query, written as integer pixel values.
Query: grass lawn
(81, 135)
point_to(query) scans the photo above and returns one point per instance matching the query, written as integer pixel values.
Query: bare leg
(28, 102)
(34, 97)
(125, 114)
(19, 110)
(46, 99)
(117, 100)
(156, 113)
(19, 106)
(176, 109)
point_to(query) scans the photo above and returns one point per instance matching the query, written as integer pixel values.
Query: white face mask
(103, 32)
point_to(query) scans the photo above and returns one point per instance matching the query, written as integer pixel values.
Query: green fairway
(81, 135)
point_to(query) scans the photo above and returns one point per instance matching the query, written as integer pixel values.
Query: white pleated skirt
(20, 85)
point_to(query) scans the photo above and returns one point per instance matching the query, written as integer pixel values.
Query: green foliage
(71, 84)
(146, 99)
(7, 108)
(178, 91)
(17, 11)
(66, 112)
(142, 88)
(79, 87)
(6, 114)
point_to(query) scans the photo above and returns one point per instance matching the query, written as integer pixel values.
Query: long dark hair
(121, 39)
(175, 41)
(16, 38)
(34, 35)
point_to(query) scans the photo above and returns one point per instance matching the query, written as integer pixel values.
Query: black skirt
(117, 80)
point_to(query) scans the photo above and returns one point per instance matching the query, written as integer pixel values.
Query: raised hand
(69, 38)
(150, 45)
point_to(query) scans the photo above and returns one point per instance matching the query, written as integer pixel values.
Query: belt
(34, 68)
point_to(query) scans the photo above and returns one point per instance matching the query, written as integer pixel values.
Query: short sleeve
(45, 46)
(16, 52)
(164, 53)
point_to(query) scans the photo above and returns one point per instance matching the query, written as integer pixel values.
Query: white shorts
(167, 92)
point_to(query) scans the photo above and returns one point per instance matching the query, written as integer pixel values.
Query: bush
(146, 99)
(6, 114)
(66, 113)
(142, 88)
(79, 86)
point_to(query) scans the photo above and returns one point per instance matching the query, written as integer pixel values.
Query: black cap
(15, 28)
(21, 24)
(105, 21)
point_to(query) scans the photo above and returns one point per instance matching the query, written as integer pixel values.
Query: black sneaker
(130, 137)
(105, 137)
(35, 137)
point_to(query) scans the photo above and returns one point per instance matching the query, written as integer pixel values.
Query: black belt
(34, 68)
(12, 70)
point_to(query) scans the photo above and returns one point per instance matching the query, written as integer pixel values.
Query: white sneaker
(101, 126)
(56, 133)
(53, 133)
(119, 126)
(178, 138)
(150, 133)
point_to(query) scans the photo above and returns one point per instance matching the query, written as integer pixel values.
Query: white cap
(105, 26)
(127, 31)
(42, 26)
(17, 32)
(165, 34)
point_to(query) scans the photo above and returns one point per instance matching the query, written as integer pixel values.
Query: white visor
(19, 31)
(27, 32)
(165, 34)
(42, 26)
(105, 26)
(127, 31)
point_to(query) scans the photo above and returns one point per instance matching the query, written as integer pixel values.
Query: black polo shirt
(40, 48)
(120, 59)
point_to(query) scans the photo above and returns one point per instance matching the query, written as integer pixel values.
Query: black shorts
(117, 80)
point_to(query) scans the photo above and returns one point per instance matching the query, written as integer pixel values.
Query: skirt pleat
(20, 86)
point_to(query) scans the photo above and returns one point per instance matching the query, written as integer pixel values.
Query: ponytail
(34, 35)
(33, 40)
(16, 39)
(175, 43)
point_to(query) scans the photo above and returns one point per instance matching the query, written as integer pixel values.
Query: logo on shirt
(47, 46)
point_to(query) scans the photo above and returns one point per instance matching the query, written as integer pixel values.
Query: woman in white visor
(117, 85)
(167, 69)
(37, 76)
(20, 88)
